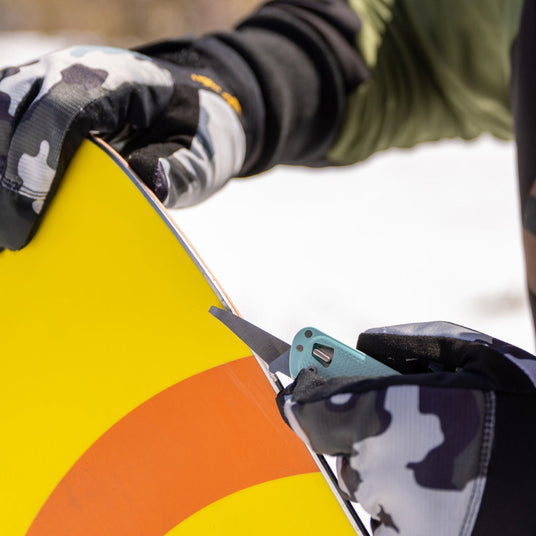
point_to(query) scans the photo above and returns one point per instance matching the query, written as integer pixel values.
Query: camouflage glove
(445, 449)
(177, 123)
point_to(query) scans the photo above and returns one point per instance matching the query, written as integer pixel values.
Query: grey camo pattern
(404, 446)
(216, 154)
(414, 450)
(185, 140)
(40, 101)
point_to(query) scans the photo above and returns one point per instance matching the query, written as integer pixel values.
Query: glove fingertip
(400, 352)
(152, 171)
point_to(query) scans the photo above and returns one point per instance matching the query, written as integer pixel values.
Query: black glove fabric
(186, 114)
(179, 124)
(446, 448)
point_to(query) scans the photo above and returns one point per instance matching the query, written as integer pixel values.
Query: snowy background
(419, 235)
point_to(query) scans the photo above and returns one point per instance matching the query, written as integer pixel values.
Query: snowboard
(127, 409)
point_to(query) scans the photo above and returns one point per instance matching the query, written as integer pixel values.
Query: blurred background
(427, 234)
(122, 22)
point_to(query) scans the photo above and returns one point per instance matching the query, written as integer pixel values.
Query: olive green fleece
(439, 69)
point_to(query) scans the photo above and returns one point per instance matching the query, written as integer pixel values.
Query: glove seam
(479, 485)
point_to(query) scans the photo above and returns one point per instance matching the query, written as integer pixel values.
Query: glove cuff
(291, 66)
(304, 84)
(507, 505)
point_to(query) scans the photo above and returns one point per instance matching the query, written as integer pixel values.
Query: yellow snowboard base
(127, 409)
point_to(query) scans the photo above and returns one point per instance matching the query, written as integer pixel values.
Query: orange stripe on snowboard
(141, 478)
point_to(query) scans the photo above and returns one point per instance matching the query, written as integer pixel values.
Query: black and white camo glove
(180, 125)
(448, 448)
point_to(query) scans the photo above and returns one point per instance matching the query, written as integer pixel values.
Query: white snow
(427, 234)
(19, 47)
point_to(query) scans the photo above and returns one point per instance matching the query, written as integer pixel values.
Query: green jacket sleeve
(438, 69)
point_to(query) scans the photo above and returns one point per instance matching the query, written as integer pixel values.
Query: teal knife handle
(338, 358)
